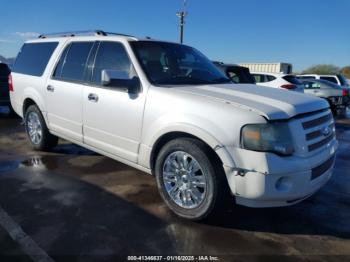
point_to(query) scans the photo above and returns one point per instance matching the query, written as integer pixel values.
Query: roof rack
(80, 33)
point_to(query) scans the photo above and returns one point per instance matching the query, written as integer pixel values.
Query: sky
(301, 32)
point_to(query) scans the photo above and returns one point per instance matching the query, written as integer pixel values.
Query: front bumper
(266, 180)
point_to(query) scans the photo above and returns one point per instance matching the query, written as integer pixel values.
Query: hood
(271, 103)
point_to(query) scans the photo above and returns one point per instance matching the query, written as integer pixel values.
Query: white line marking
(27, 244)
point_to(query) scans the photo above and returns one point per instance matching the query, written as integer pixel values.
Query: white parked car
(278, 80)
(336, 79)
(164, 108)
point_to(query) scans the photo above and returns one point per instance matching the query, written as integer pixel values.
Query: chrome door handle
(93, 97)
(50, 88)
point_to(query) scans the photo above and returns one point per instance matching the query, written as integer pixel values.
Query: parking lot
(73, 202)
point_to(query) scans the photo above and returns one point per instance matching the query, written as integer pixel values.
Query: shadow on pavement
(70, 217)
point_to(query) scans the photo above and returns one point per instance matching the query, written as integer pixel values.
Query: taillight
(289, 86)
(10, 83)
(345, 92)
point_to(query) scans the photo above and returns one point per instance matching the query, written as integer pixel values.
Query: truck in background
(285, 68)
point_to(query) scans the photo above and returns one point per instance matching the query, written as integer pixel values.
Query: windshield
(175, 64)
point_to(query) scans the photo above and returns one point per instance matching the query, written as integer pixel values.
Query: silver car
(338, 97)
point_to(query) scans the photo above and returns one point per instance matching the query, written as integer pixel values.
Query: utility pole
(181, 16)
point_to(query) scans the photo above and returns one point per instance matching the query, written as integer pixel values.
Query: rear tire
(37, 131)
(191, 179)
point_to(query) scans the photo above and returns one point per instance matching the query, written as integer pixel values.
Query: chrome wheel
(184, 180)
(34, 128)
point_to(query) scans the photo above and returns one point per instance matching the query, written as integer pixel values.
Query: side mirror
(120, 79)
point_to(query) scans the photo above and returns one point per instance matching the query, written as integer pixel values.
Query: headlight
(270, 137)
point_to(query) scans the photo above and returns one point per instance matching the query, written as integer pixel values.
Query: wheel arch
(29, 101)
(215, 147)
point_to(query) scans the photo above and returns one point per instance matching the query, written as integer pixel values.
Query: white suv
(164, 108)
(278, 80)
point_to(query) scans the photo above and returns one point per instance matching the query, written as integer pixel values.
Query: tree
(322, 69)
(345, 71)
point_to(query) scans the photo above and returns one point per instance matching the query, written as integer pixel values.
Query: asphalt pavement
(74, 204)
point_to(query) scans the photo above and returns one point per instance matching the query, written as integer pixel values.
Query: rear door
(112, 117)
(64, 91)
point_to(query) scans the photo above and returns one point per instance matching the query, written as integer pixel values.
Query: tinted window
(90, 63)
(259, 78)
(270, 78)
(292, 79)
(175, 64)
(58, 70)
(110, 55)
(240, 75)
(33, 58)
(330, 79)
(306, 77)
(75, 61)
(234, 77)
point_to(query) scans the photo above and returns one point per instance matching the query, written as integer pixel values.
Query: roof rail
(79, 33)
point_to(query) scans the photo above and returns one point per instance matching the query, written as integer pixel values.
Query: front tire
(37, 131)
(190, 179)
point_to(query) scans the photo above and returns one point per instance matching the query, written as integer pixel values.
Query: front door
(112, 118)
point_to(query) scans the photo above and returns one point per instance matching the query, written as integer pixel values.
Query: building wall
(269, 67)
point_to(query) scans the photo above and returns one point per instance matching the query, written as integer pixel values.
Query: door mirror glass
(120, 79)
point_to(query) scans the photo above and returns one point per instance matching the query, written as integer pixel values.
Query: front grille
(317, 122)
(319, 131)
(321, 143)
(321, 169)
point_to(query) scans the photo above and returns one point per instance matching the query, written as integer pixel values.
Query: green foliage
(345, 71)
(322, 69)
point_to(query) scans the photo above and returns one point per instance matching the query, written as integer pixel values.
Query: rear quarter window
(33, 58)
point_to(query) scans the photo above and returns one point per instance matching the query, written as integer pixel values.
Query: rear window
(292, 79)
(330, 79)
(33, 58)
